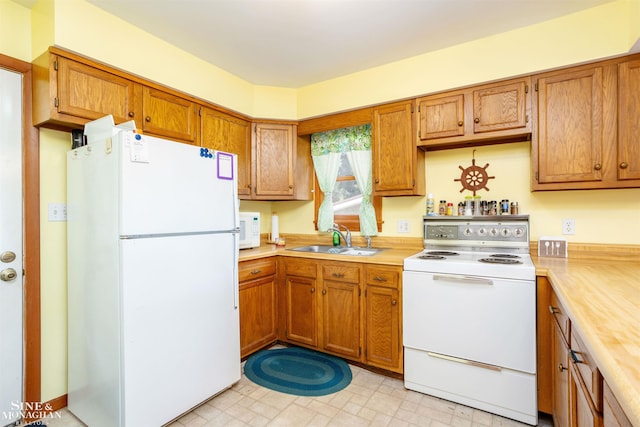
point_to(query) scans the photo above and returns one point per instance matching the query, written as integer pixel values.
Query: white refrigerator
(152, 279)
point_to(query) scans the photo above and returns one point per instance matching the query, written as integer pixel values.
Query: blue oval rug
(298, 371)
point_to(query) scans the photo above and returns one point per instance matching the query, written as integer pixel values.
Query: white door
(10, 245)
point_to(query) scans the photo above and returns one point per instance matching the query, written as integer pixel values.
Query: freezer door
(180, 324)
(169, 187)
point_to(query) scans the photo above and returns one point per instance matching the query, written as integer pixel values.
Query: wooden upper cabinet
(570, 124)
(273, 161)
(588, 126)
(441, 116)
(495, 111)
(397, 163)
(223, 132)
(500, 107)
(168, 116)
(629, 120)
(67, 93)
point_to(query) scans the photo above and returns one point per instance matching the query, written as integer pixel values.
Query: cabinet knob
(460, 123)
(379, 279)
(313, 290)
(553, 310)
(624, 165)
(394, 302)
(290, 186)
(597, 166)
(561, 368)
(377, 180)
(337, 274)
(131, 114)
(476, 120)
(147, 119)
(324, 292)
(256, 272)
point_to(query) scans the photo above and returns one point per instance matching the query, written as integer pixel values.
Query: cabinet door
(219, 131)
(273, 161)
(168, 116)
(301, 310)
(257, 314)
(90, 93)
(560, 379)
(570, 126)
(341, 318)
(441, 116)
(629, 120)
(582, 411)
(383, 327)
(500, 107)
(394, 151)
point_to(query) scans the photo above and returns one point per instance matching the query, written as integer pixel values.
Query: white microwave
(249, 230)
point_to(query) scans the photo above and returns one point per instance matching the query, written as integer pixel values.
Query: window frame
(352, 222)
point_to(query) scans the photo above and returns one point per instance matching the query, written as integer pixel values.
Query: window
(342, 162)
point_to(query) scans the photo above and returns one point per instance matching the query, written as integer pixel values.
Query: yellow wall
(607, 30)
(15, 30)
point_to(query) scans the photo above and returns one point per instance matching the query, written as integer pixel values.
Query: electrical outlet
(568, 226)
(57, 212)
(403, 226)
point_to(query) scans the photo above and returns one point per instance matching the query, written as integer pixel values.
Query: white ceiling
(293, 43)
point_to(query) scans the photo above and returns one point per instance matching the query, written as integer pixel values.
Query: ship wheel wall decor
(474, 178)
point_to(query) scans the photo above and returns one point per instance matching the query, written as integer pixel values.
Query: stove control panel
(512, 231)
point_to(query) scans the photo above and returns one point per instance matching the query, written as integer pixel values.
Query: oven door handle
(463, 278)
(465, 361)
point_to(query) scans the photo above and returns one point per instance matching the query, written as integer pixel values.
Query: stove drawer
(492, 321)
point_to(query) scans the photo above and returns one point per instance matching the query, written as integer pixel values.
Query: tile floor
(370, 400)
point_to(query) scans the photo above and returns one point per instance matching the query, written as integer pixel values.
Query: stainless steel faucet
(346, 237)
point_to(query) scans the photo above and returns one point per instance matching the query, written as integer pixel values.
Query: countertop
(602, 298)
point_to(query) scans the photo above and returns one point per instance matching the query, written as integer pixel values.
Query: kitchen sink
(341, 250)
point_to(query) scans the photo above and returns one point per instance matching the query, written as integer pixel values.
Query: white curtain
(326, 150)
(326, 167)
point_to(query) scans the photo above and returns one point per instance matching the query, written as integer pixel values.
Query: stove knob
(482, 231)
(467, 231)
(493, 232)
(518, 232)
(505, 232)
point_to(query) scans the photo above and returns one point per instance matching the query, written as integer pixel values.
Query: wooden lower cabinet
(580, 395)
(257, 304)
(583, 412)
(324, 308)
(341, 326)
(383, 344)
(560, 375)
(300, 302)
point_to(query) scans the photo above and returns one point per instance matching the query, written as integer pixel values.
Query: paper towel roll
(274, 228)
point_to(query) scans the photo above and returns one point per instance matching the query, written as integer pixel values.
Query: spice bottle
(430, 205)
(449, 209)
(514, 208)
(504, 207)
(468, 205)
(461, 209)
(442, 208)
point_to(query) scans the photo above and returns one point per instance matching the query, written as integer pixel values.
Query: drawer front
(561, 317)
(300, 267)
(383, 276)
(255, 269)
(587, 369)
(341, 273)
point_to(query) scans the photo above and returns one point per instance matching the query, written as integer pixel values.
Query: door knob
(8, 274)
(7, 256)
